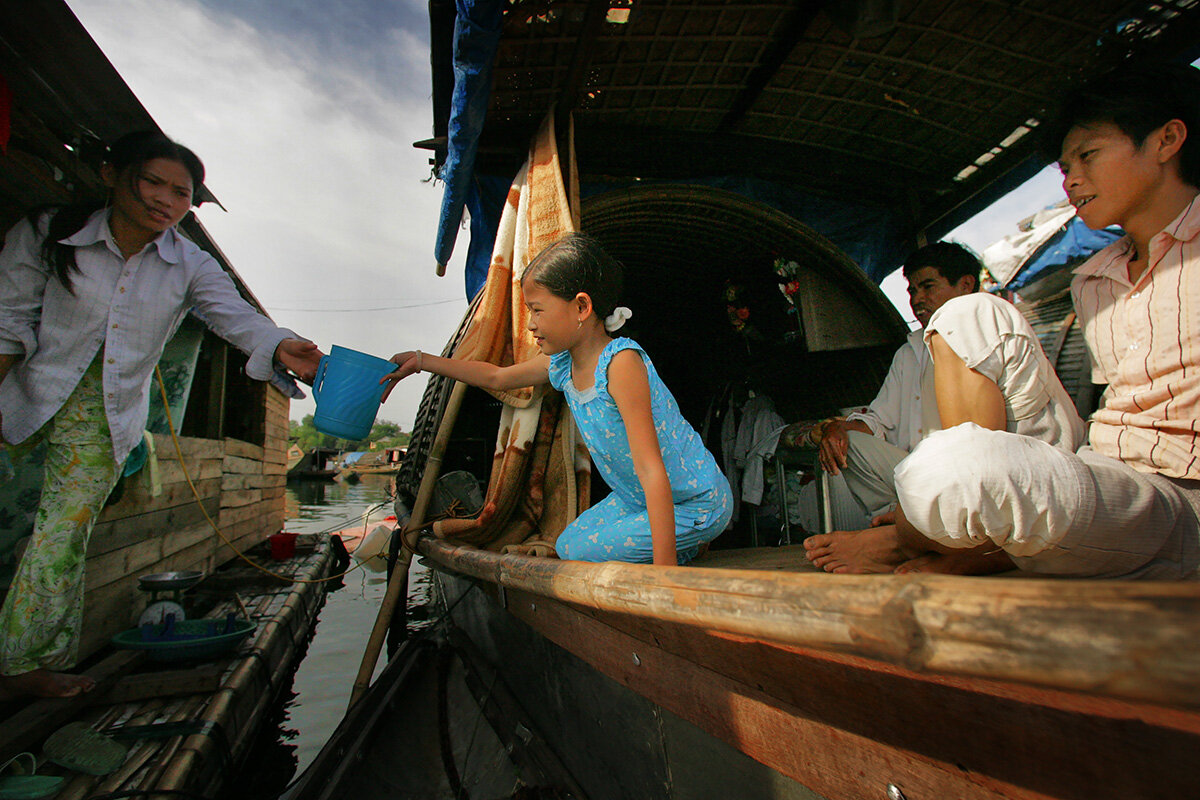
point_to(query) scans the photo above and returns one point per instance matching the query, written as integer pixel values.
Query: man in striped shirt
(1128, 505)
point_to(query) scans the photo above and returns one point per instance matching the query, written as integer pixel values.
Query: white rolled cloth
(617, 318)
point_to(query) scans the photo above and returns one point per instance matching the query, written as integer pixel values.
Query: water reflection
(312, 705)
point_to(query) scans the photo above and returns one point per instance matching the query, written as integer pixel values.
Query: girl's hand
(299, 356)
(408, 362)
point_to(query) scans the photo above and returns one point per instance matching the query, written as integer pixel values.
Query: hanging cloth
(540, 470)
(476, 36)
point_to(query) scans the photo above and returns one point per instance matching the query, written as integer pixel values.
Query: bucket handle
(322, 366)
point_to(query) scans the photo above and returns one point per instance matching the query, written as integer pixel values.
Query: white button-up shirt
(895, 413)
(130, 308)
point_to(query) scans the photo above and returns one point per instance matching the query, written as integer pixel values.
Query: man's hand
(299, 356)
(834, 444)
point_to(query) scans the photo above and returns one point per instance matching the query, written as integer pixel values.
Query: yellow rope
(182, 463)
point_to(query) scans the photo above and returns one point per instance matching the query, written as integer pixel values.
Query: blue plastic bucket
(348, 391)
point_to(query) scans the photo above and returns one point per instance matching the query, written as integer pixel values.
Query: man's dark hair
(950, 259)
(1138, 100)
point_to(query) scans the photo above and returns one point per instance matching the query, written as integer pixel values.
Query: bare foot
(965, 562)
(875, 550)
(44, 683)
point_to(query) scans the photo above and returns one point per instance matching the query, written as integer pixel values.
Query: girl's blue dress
(618, 528)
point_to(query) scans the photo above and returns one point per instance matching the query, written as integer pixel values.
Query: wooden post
(399, 579)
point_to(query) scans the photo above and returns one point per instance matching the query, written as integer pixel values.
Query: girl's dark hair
(127, 155)
(577, 263)
(1138, 100)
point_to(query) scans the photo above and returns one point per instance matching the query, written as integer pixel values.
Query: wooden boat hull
(836, 724)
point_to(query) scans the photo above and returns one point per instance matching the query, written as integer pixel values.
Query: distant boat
(376, 462)
(320, 463)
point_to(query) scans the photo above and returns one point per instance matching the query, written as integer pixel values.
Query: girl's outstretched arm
(533, 372)
(629, 385)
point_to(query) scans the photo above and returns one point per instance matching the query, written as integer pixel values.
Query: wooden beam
(204, 679)
(973, 724)
(581, 60)
(836, 764)
(791, 30)
(40, 718)
(1127, 639)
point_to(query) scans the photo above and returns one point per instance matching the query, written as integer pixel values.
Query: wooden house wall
(241, 486)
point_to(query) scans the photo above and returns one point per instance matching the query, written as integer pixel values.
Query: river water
(311, 707)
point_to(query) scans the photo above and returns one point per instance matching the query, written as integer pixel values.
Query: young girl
(668, 495)
(88, 297)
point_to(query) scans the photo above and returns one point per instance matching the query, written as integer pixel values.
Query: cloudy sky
(304, 112)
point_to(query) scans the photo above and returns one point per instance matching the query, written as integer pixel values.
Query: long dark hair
(126, 156)
(577, 263)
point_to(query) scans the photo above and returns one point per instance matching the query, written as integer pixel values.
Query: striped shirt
(1144, 341)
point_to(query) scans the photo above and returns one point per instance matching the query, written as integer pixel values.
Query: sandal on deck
(26, 785)
(77, 747)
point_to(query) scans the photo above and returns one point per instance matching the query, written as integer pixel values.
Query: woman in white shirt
(88, 298)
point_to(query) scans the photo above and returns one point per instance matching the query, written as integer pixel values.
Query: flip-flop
(26, 786)
(77, 747)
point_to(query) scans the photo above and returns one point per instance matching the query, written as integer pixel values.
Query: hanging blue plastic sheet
(485, 203)
(476, 37)
(1075, 242)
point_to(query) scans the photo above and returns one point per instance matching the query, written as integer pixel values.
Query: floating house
(64, 102)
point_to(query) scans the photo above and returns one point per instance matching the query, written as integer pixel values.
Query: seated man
(1128, 506)
(868, 445)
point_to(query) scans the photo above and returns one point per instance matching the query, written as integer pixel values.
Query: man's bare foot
(875, 550)
(965, 562)
(44, 683)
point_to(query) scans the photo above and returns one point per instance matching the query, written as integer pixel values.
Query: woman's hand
(299, 356)
(408, 363)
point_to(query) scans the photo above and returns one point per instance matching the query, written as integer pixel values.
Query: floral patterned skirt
(43, 612)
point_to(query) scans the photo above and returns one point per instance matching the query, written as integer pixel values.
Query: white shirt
(130, 308)
(992, 338)
(895, 413)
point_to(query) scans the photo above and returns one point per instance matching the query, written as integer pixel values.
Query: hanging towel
(540, 469)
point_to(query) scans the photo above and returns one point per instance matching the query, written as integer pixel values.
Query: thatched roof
(919, 105)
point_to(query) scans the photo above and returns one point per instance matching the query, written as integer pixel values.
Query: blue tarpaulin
(1074, 242)
(476, 36)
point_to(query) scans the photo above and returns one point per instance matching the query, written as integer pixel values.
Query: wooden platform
(188, 726)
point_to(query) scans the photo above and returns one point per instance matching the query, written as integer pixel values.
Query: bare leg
(44, 683)
(881, 549)
(874, 550)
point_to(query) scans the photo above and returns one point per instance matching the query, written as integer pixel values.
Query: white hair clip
(617, 318)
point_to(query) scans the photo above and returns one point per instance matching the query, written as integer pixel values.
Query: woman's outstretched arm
(533, 372)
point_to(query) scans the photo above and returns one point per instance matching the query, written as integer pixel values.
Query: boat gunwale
(1091, 636)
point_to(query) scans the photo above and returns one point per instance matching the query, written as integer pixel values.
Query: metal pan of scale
(170, 581)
